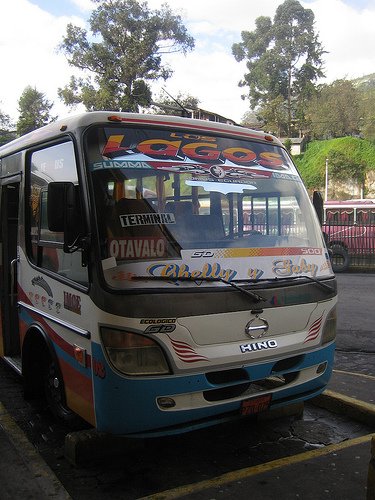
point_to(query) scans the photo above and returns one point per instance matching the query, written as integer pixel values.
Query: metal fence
(352, 245)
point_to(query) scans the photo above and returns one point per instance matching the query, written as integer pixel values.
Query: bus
(139, 292)
(350, 227)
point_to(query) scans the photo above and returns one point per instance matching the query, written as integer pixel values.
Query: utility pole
(326, 189)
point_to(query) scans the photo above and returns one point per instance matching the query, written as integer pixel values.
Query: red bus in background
(350, 227)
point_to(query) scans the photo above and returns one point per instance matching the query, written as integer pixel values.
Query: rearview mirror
(318, 205)
(64, 213)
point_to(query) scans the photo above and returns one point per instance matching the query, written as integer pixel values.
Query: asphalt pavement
(339, 471)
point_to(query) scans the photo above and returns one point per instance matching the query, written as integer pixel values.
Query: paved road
(356, 323)
(164, 464)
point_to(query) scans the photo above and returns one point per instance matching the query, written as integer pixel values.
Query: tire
(55, 396)
(340, 259)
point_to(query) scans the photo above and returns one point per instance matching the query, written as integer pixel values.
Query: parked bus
(350, 226)
(138, 292)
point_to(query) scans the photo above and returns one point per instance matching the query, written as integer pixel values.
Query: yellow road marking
(241, 474)
(362, 375)
(348, 401)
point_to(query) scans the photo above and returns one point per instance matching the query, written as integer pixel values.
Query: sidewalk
(336, 471)
(23, 473)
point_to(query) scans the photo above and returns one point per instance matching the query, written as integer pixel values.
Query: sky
(32, 30)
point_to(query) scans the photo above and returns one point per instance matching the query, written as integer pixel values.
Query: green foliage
(284, 59)
(343, 166)
(7, 132)
(334, 111)
(180, 105)
(274, 114)
(348, 158)
(34, 111)
(367, 109)
(288, 145)
(121, 54)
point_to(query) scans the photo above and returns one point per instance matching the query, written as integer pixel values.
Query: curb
(371, 473)
(39, 472)
(344, 405)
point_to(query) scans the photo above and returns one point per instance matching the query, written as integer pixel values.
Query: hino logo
(257, 327)
(258, 346)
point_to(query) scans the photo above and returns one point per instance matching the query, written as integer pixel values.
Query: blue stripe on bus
(128, 405)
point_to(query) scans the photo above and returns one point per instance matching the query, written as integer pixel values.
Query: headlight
(329, 329)
(134, 354)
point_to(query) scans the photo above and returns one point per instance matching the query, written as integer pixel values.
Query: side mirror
(64, 213)
(318, 205)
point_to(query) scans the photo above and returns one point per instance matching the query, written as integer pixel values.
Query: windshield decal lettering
(286, 268)
(255, 274)
(139, 248)
(99, 165)
(147, 219)
(209, 151)
(176, 271)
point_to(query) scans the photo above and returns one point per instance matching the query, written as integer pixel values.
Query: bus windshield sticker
(109, 263)
(226, 264)
(139, 248)
(223, 186)
(100, 165)
(287, 267)
(147, 219)
(208, 271)
(177, 152)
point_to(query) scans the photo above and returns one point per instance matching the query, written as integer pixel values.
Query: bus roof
(350, 203)
(74, 122)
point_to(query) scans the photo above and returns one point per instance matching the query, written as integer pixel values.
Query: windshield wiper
(324, 286)
(253, 295)
(256, 297)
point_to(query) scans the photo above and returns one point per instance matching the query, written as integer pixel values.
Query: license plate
(256, 405)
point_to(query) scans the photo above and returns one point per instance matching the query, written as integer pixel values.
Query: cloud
(213, 78)
(348, 35)
(83, 5)
(28, 49)
(29, 38)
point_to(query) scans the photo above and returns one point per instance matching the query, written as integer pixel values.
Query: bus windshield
(175, 204)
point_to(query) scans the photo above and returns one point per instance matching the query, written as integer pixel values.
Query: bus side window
(45, 247)
(362, 216)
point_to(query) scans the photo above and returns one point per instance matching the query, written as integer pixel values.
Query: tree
(367, 112)
(334, 111)
(181, 105)
(284, 58)
(122, 54)
(34, 111)
(274, 115)
(7, 132)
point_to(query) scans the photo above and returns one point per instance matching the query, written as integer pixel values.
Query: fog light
(321, 368)
(166, 402)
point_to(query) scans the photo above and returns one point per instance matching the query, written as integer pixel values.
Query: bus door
(9, 261)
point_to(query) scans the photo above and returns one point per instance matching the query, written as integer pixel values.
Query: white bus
(138, 294)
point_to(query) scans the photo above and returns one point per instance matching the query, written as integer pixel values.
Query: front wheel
(55, 395)
(340, 259)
